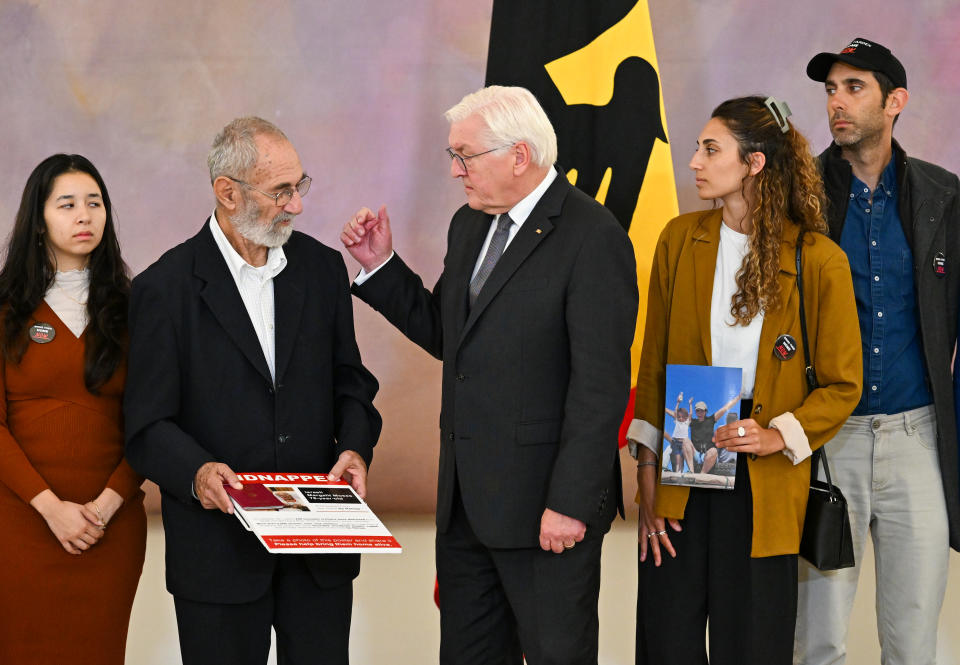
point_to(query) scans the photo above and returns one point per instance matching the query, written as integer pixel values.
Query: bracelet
(650, 463)
(99, 514)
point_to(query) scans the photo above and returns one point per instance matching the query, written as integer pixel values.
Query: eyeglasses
(282, 197)
(463, 160)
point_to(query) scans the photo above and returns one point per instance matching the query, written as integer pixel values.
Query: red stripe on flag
(627, 418)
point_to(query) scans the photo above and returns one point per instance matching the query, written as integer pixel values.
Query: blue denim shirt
(881, 262)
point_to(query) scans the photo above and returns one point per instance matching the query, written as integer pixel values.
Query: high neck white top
(67, 297)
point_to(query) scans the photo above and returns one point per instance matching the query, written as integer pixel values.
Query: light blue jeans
(887, 468)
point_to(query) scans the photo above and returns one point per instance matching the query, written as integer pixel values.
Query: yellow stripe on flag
(586, 77)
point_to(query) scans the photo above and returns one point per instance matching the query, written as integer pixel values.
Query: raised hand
(368, 238)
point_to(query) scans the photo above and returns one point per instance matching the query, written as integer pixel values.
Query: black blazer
(536, 375)
(199, 390)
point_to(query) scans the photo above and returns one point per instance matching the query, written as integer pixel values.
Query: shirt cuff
(797, 445)
(643, 433)
(364, 275)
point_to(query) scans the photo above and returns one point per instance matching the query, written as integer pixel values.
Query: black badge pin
(42, 333)
(785, 347)
(940, 264)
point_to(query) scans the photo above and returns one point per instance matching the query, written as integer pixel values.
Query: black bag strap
(811, 374)
(819, 455)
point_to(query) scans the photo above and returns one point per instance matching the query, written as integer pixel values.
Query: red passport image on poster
(254, 497)
(308, 513)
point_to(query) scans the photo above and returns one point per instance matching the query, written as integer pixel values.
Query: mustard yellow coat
(678, 332)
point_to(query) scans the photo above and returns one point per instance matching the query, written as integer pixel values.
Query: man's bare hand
(368, 238)
(353, 469)
(559, 532)
(208, 486)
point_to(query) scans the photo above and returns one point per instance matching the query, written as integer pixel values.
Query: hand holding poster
(307, 513)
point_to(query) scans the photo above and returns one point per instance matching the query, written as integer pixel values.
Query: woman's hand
(652, 532)
(746, 436)
(75, 526)
(105, 506)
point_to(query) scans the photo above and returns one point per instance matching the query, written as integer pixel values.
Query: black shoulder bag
(826, 541)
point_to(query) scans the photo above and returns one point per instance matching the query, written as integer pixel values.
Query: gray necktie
(497, 244)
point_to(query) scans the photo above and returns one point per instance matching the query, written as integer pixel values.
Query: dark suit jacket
(536, 375)
(199, 390)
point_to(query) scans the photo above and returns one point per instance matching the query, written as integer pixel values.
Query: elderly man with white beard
(243, 358)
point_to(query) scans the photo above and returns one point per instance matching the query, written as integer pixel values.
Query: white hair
(511, 114)
(234, 150)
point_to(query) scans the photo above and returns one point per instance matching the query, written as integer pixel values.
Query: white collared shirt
(256, 289)
(518, 214)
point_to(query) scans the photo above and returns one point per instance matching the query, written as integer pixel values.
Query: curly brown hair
(788, 187)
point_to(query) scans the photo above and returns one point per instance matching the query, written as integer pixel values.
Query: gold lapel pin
(539, 231)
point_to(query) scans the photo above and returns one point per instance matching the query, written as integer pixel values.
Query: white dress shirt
(256, 289)
(518, 214)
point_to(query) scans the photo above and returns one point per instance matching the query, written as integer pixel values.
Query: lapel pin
(42, 333)
(785, 347)
(940, 264)
(539, 231)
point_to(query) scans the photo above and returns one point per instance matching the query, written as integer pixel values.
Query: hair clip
(780, 112)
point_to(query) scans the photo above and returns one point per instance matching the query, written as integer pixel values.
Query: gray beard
(247, 224)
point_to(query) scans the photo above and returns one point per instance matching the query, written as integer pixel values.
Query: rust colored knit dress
(57, 607)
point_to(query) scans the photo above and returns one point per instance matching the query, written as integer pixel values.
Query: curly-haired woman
(71, 507)
(731, 556)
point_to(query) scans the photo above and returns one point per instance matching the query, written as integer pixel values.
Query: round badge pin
(785, 347)
(42, 333)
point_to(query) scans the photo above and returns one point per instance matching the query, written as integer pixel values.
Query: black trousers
(499, 605)
(312, 623)
(751, 603)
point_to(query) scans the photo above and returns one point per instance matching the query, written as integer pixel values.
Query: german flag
(593, 66)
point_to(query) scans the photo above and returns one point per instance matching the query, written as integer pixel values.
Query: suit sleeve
(155, 445)
(601, 316)
(399, 295)
(357, 421)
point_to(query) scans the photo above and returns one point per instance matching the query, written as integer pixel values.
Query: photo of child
(690, 456)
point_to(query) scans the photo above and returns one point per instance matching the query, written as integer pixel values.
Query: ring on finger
(741, 431)
(661, 533)
(652, 534)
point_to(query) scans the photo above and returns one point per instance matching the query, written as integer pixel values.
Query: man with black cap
(898, 220)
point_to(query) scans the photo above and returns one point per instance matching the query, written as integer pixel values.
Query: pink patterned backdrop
(360, 88)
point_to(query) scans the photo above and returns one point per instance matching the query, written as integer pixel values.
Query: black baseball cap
(862, 54)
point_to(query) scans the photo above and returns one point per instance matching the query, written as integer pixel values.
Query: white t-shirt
(732, 345)
(681, 430)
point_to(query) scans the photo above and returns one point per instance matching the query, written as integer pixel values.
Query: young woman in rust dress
(71, 508)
